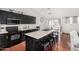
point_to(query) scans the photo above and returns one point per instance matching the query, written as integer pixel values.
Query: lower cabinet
(3, 40)
(8, 40)
(14, 38)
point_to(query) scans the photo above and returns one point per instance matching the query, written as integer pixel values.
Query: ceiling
(55, 12)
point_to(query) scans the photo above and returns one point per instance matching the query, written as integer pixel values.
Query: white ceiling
(56, 12)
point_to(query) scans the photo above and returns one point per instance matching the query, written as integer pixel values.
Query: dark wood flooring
(65, 42)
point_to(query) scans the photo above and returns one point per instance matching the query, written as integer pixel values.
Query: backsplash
(20, 27)
(2, 28)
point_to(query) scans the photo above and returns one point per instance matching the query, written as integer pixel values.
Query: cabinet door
(28, 19)
(0, 17)
(11, 15)
(31, 20)
(3, 40)
(3, 17)
(14, 15)
(18, 16)
(22, 21)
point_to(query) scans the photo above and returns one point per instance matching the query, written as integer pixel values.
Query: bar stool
(55, 37)
(45, 46)
(51, 44)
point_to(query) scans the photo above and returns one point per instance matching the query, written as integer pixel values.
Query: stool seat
(45, 44)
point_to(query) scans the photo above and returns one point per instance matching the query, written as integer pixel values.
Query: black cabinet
(10, 15)
(28, 19)
(14, 15)
(23, 19)
(3, 40)
(33, 44)
(16, 18)
(3, 17)
(31, 20)
(13, 18)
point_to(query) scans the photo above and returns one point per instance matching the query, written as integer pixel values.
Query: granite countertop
(38, 34)
(25, 29)
(3, 32)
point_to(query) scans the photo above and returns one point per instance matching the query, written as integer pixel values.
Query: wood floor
(63, 45)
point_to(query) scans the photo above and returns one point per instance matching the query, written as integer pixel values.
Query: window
(71, 20)
(75, 19)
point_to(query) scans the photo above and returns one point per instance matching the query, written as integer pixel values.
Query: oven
(14, 35)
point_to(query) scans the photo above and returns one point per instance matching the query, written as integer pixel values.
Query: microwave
(13, 21)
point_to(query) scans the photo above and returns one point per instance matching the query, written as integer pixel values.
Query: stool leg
(56, 45)
(48, 47)
(51, 46)
(45, 48)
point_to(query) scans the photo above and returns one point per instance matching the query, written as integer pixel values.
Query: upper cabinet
(3, 17)
(7, 17)
(28, 19)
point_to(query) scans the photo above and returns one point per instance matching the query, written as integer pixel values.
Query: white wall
(66, 28)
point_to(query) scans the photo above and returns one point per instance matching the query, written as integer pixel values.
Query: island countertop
(38, 34)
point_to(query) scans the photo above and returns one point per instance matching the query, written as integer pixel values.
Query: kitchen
(16, 27)
(37, 29)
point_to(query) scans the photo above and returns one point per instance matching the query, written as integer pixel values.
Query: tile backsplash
(20, 27)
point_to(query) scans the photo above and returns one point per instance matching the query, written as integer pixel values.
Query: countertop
(38, 34)
(3, 32)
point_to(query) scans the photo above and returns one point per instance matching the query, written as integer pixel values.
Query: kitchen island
(35, 39)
